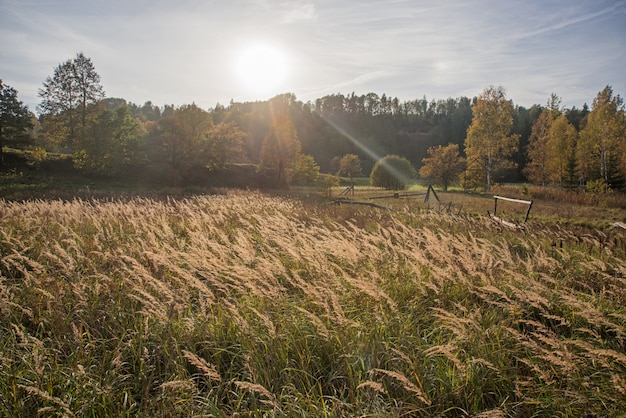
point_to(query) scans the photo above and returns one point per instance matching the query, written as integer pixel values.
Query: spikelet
(616, 356)
(375, 386)
(543, 374)
(485, 363)
(461, 327)
(400, 354)
(493, 413)
(266, 321)
(174, 385)
(208, 369)
(319, 325)
(260, 390)
(406, 384)
(46, 396)
(619, 383)
(448, 352)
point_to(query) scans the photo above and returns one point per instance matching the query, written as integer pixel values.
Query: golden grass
(243, 303)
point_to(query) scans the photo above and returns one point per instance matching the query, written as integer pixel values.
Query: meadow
(247, 304)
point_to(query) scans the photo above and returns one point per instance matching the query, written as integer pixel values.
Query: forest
(283, 141)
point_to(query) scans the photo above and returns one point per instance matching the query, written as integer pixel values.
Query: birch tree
(602, 141)
(489, 143)
(561, 152)
(538, 168)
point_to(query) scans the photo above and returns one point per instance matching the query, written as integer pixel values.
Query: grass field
(246, 304)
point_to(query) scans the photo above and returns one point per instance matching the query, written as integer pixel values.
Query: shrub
(326, 182)
(392, 172)
(305, 171)
(596, 186)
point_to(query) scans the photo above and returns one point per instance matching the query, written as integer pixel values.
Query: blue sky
(179, 52)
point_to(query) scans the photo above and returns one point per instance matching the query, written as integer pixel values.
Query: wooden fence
(508, 199)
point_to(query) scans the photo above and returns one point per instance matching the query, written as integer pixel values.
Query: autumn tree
(537, 169)
(306, 172)
(350, 165)
(112, 145)
(489, 142)
(224, 145)
(281, 149)
(182, 135)
(443, 165)
(68, 98)
(15, 118)
(603, 140)
(561, 152)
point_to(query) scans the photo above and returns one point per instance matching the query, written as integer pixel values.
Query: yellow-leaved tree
(561, 152)
(489, 143)
(603, 140)
(539, 167)
(443, 165)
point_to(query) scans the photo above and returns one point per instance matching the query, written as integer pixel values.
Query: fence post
(528, 211)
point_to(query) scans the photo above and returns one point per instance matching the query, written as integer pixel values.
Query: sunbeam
(370, 152)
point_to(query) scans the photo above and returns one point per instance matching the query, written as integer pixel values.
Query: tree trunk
(488, 169)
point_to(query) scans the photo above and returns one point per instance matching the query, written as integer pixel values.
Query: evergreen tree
(15, 118)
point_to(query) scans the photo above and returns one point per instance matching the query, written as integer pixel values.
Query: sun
(262, 68)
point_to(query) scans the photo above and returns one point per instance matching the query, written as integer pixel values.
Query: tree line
(284, 141)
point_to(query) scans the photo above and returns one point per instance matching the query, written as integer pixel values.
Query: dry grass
(247, 304)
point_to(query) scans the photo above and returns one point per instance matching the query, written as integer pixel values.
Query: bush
(596, 186)
(392, 172)
(326, 182)
(305, 171)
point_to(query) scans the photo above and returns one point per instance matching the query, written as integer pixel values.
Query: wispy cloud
(298, 12)
(151, 50)
(561, 20)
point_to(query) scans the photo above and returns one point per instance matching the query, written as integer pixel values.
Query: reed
(248, 304)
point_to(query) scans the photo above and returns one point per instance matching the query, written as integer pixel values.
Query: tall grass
(254, 305)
